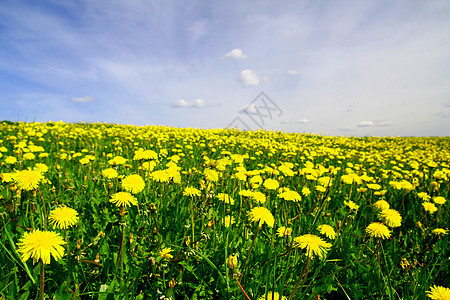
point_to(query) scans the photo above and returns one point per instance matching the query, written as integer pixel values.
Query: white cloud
(249, 78)
(293, 72)
(83, 99)
(236, 54)
(195, 103)
(249, 109)
(303, 121)
(374, 123)
(345, 129)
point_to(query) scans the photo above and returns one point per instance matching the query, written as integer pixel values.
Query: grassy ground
(194, 232)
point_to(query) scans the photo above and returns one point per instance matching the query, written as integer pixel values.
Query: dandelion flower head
(228, 220)
(133, 183)
(290, 195)
(261, 215)
(378, 230)
(381, 205)
(352, 205)
(429, 207)
(391, 217)
(438, 293)
(327, 230)
(28, 179)
(123, 199)
(315, 246)
(165, 253)
(232, 261)
(225, 198)
(272, 296)
(41, 245)
(191, 191)
(284, 231)
(439, 200)
(160, 176)
(271, 184)
(63, 217)
(439, 231)
(110, 173)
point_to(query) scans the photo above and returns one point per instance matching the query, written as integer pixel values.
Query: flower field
(103, 211)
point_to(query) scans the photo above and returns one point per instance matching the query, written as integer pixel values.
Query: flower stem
(304, 273)
(242, 289)
(41, 290)
(45, 211)
(250, 251)
(192, 219)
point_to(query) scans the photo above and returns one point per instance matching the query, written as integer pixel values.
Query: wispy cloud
(374, 123)
(293, 72)
(197, 103)
(303, 121)
(249, 78)
(236, 54)
(83, 99)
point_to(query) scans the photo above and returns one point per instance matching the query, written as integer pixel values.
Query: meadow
(105, 211)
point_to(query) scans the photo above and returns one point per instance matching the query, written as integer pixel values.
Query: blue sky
(350, 68)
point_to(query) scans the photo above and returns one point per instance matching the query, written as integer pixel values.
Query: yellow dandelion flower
(327, 230)
(378, 230)
(6, 177)
(160, 176)
(272, 296)
(211, 175)
(117, 160)
(110, 173)
(240, 176)
(306, 191)
(259, 197)
(225, 198)
(439, 231)
(246, 193)
(191, 191)
(123, 199)
(149, 165)
(232, 261)
(380, 193)
(165, 253)
(381, 205)
(284, 231)
(41, 245)
(63, 217)
(290, 195)
(27, 179)
(84, 161)
(271, 184)
(41, 168)
(429, 207)
(133, 183)
(10, 160)
(321, 189)
(439, 200)
(145, 154)
(438, 293)
(29, 156)
(374, 186)
(424, 196)
(391, 217)
(261, 215)
(315, 246)
(228, 220)
(352, 205)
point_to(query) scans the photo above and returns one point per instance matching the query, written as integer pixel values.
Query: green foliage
(114, 254)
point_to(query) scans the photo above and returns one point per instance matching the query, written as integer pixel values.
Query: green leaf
(61, 293)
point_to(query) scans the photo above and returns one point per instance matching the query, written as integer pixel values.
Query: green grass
(129, 266)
